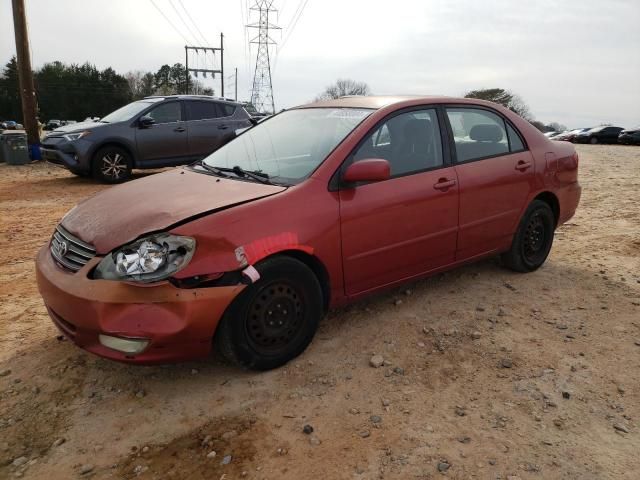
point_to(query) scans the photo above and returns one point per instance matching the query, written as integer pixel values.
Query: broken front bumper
(179, 324)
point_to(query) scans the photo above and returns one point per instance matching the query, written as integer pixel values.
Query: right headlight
(150, 259)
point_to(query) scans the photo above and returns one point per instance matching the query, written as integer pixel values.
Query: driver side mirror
(146, 121)
(367, 170)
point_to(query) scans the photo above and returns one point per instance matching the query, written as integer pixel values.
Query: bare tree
(140, 83)
(344, 87)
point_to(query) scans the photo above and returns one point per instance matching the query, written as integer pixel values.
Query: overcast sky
(572, 61)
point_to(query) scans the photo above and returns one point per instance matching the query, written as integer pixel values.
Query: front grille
(69, 251)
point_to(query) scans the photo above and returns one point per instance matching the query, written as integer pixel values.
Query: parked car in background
(313, 208)
(9, 125)
(630, 136)
(602, 134)
(52, 125)
(551, 134)
(569, 135)
(150, 133)
(253, 112)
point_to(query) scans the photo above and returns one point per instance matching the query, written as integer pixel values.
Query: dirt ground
(488, 374)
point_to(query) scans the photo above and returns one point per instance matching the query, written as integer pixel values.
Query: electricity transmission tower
(262, 91)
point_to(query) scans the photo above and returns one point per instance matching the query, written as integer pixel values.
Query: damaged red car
(244, 252)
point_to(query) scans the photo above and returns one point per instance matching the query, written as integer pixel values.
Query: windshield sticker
(349, 113)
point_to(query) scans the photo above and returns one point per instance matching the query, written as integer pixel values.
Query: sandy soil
(490, 374)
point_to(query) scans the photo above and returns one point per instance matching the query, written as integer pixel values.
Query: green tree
(503, 97)
(10, 106)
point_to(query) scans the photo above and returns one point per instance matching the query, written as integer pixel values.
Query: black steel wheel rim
(275, 317)
(535, 238)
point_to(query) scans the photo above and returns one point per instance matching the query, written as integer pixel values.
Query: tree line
(512, 101)
(74, 92)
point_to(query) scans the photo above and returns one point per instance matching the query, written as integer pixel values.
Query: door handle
(222, 127)
(444, 184)
(179, 129)
(522, 165)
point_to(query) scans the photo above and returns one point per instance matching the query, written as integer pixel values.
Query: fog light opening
(124, 345)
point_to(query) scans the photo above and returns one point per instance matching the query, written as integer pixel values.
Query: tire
(273, 320)
(533, 239)
(111, 164)
(593, 140)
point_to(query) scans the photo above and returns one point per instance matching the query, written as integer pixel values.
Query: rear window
(201, 110)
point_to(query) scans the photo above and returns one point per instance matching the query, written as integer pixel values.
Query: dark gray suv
(150, 133)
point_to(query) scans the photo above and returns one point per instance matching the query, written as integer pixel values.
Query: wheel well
(114, 144)
(319, 270)
(551, 200)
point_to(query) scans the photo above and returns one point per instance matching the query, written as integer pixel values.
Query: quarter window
(410, 142)
(225, 110)
(201, 110)
(515, 142)
(166, 113)
(477, 133)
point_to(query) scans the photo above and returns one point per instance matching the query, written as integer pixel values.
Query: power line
(170, 22)
(204, 39)
(295, 22)
(184, 22)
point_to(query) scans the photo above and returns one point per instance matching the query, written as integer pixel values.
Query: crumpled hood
(122, 213)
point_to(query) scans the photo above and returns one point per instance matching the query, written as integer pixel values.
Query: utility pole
(204, 71)
(25, 74)
(262, 90)
(236, 82)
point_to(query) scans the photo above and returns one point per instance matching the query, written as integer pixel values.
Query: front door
(495, 174)
(164, 142)
(407, 225)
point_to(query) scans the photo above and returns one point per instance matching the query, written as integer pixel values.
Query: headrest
(418, 128)
(486, 132)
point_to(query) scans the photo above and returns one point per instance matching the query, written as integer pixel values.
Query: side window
(515, 142)
(410, 142)
(200, 110)
(477, 133)
(225, 110)
(167, 113)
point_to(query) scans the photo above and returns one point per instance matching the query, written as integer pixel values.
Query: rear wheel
(533, 239)
(111, 164)
(273, 320)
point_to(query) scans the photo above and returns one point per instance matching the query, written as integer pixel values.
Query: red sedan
(312, 208)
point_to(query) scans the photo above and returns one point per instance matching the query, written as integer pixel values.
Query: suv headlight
(150, 259)
(75, 136)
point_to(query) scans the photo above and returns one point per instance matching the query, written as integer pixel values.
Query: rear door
(164, 142)
(495, 171)
(210, 126)
(407, 225)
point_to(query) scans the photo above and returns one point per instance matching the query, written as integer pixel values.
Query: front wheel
(111, 164)
(593, 140)
(273, 320)
(533, 239)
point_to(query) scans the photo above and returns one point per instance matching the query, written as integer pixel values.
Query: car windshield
(129, 111)
(289, 146)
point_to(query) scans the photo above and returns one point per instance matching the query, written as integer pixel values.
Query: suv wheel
(111, 165)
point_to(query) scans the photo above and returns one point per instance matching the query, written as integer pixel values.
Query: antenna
(262, 90)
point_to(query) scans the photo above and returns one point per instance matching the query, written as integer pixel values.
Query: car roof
(380, 101)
